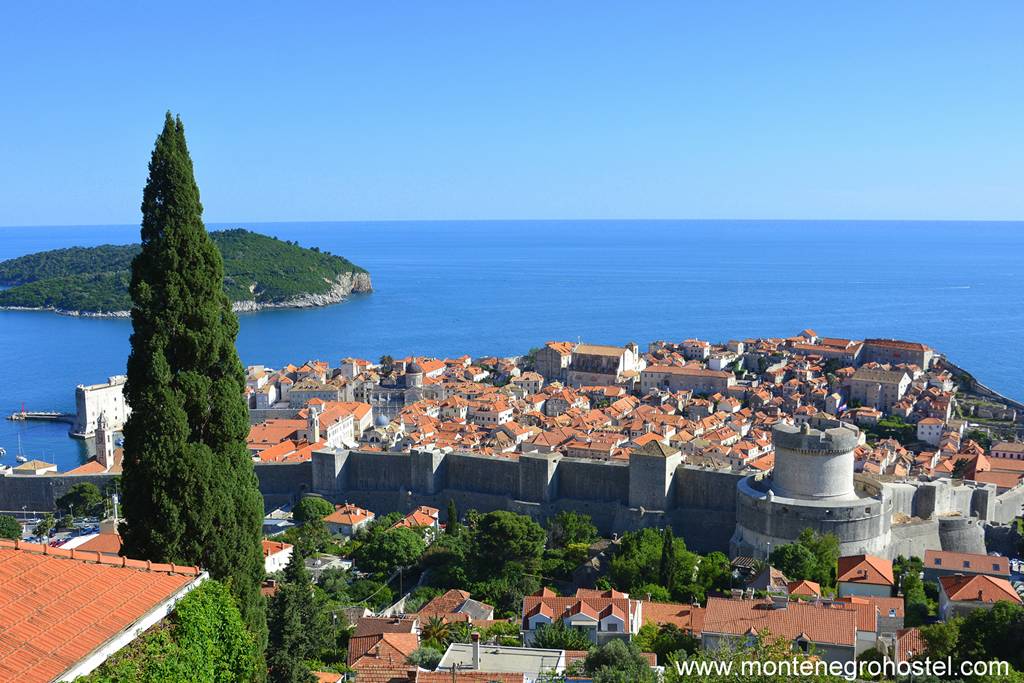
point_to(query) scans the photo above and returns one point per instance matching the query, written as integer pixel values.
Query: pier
(43, 415)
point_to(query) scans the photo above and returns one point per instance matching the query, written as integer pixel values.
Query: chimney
(475, 637)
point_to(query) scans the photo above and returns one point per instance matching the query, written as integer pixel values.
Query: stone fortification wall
(580, 479)
(961, 534)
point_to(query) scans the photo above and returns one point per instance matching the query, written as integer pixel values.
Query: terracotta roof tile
(866, 569)
(978, 588)
(57, 605)
(821, 623)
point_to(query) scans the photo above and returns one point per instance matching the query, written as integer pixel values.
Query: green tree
(568, 527)
(382, 553)
(618, 661)
(637, 560)
(825, 548)
(995, 633)
(387, 363)
(504, 537)
(311, 507)
(81, 500)
(453, 518)
(558, 636)
(9, 527)
(288, 643)
(765, 649)
(205, 642)
(425, 657)
(795, 561)
(940, 639)
(915, 602)
(667, 564)
(436, 632)
(189, 490)
(45, 525)
(666, 641)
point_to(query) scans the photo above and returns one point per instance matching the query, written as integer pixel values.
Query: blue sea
(501, 287)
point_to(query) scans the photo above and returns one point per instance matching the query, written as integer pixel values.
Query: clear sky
(445, 110)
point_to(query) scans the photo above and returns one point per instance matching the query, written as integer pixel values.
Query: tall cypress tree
(667, 567)
(453, 518)
(190, 493)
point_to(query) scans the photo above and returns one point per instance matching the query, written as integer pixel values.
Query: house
(423, 517)
(347, 519)
(865, 575)
(529, 663)
(382, 657)
(686, 378)
(939, 563)
(602, 615)
(896, 351)
(804, 588)
(35, 468)
(1008, 449)
(827, 630)
(687, 618)
(930, 430)
(909, 644)
(878, 388)
(65, 612)
(456, 605)
(960, 595)
(276, 555)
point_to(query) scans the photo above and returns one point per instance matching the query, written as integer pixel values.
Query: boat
(20, 457)
(3, 451)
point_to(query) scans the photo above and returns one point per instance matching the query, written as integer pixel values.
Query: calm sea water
(448, 288)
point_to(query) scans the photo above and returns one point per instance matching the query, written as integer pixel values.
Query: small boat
(20, 457)
(3, 451)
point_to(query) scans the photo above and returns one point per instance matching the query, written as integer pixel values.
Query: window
(938, 561)
(967, 563)
(612, 626)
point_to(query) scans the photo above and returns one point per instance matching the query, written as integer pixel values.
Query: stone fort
(813, 486)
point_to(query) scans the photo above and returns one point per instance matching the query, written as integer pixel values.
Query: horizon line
(241, 223)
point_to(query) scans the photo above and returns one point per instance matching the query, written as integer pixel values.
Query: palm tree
(436, 633)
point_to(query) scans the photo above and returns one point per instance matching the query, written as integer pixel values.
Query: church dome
(414, 369)
(381, 420)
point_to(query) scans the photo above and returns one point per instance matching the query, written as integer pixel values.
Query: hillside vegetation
(258, 269)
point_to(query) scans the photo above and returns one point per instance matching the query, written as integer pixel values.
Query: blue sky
(391, 110)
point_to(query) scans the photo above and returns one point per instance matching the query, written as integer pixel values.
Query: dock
(44, 415)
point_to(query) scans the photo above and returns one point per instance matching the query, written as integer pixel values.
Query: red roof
(686, 617)
(866, 569)
(819, 623)
(58, 606)
(978, 588)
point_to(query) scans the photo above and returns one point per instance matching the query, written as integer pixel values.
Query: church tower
(104, 442)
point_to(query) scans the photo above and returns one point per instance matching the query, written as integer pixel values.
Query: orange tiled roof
(686, 617)
(819, 623)
(108, 544)
(866, 569)
(909, 644)
(57, 606)
(978, 588)
(274, 547)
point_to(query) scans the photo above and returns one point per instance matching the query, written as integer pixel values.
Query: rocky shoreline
(344, 285)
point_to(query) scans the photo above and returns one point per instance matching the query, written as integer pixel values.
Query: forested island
(259, 272)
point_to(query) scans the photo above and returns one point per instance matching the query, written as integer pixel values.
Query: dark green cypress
(667, 567)
(189, 490)
(453, 518)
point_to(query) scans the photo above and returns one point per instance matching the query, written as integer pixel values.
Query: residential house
(960, 595)
(602, 615)
(938, 563)
(347, 519)
(827, 630)
(865, 575)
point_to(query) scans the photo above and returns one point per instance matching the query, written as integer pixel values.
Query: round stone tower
(812, 486)
(814, 464)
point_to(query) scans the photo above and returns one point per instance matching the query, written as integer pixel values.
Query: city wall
(700, 504)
